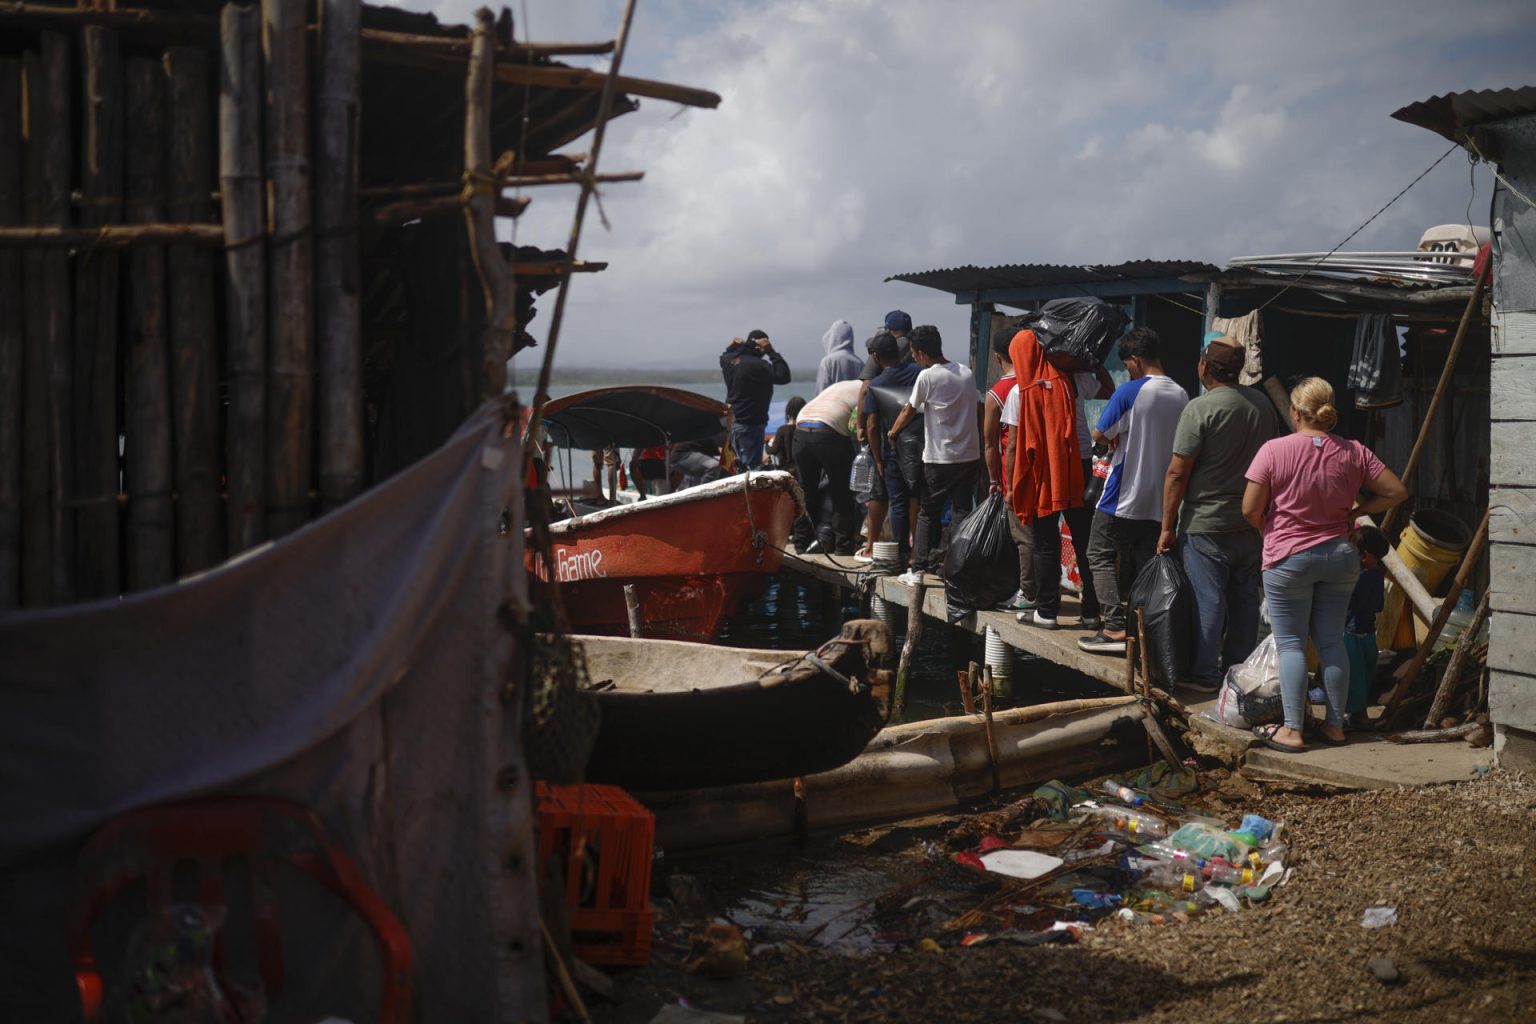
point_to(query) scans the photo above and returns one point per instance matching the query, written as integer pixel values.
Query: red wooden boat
(694, 557)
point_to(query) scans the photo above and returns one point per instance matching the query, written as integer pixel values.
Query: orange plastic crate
(605, 840)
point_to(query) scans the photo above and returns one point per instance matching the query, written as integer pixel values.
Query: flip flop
(1314, 729)
(1265, 734)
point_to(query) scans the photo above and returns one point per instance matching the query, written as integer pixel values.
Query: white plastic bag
(1242, 710)
(1259, 675)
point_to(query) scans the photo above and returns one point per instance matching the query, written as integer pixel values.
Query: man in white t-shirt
(946, 397)
(1139, 420)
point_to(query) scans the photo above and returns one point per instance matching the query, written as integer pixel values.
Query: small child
(1360, 623)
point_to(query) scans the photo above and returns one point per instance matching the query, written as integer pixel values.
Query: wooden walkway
(1368, 762)
(1058, 645)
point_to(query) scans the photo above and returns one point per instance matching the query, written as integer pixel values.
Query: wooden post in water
(193, 336)
(290, 294)
(632, 606)
(98, 554)
(908, 648)
(12, 342)
(338, 338)
(245, 283)
(147, 397)
(48, 540)
(986, 707)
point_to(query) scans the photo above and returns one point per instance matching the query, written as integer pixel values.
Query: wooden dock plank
(1059, 646)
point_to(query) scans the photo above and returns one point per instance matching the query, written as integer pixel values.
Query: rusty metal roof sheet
(1447, 115)
(1034, 275)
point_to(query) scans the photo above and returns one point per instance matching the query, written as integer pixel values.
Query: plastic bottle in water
(1174, 878)
(861, 479)
(1136, 824)
(1125, 794)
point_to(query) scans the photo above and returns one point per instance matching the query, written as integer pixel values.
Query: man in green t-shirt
(1217, 437)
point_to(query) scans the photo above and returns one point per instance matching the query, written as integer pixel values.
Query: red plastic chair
(149, 843)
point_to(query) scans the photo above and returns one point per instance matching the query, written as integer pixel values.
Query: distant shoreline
(567, 376)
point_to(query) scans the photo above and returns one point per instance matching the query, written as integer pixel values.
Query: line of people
(1247, 503)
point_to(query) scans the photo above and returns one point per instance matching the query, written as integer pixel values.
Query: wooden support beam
(554, 268)
(290, 267)
(195, 405)
(414, 209)
(146, 394)
(12, 342)
(98, 283)
(245, 275)
(593, 81)
(110, 236)
(534, 180)
(1453, 668)
(497, 278)
(338, 317)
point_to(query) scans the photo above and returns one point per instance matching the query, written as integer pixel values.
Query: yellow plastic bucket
(1430, 547)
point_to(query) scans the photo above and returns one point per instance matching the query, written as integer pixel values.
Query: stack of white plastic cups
(884, 611)
(999, 657)
(886, 552)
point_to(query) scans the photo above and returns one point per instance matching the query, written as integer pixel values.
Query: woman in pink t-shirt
(1304, 494)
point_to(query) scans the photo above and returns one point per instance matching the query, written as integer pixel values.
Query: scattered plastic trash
(1125, 794)
(1226, 898)
(1379, 917)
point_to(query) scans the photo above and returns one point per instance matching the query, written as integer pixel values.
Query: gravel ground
(1456, 862)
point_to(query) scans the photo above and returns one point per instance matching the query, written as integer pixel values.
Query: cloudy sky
(858, 139)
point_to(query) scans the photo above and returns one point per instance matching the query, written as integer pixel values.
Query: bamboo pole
(97, 286)
(109, 236)
(193, 336)
(1474, 306)
(496, 276)
(245, 275)
(986, 707)
(1146, 672)
(909, 647)
(147, 400)
(12, 341)
(1409, 671)
(405, 210)
(1453, 668)
(290, 266)
(48, 465)
(1006, 717)
(968, 678)
(338, 318)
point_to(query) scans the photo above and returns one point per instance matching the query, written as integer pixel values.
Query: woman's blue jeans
(1308, 593)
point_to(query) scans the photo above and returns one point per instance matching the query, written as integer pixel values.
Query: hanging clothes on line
(1376, 367)
(1247, 331)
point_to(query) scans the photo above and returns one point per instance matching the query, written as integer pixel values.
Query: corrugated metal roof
(1457, 110)
(1033, 275)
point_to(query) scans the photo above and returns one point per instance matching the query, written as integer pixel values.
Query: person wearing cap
(751, 368)
(944, 394)
(1217, 437)
(898, 325)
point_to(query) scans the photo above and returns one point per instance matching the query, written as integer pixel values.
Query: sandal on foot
(1265, 734)
(1314, 729)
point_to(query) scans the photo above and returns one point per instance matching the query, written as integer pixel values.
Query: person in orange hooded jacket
(1047, 478)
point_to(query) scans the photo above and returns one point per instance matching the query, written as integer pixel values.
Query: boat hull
(694, 558)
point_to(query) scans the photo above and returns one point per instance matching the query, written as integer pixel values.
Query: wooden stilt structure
(12, 342)
(98, 272)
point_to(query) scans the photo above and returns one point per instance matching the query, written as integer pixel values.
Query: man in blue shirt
(1139, 421)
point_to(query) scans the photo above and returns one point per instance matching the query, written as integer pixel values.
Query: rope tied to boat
(758, 539)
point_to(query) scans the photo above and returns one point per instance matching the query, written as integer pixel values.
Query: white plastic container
(999, 658)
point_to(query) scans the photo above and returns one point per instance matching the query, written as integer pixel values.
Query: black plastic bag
(1078, 331)
(981, 564)
(1167, 600)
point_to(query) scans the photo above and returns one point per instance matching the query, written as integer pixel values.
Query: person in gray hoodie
(840, 362)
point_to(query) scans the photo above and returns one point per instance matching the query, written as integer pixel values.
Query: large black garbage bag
(1167, 600)
(1080, 330)
(981, 564)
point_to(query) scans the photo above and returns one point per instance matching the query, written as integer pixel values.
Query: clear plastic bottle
(1125, 794)
(1136, 824)
(1222, 873)
(861, 479)
(1175, 878)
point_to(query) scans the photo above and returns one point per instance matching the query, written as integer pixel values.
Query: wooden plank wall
(157, 405)
(1512, 394)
